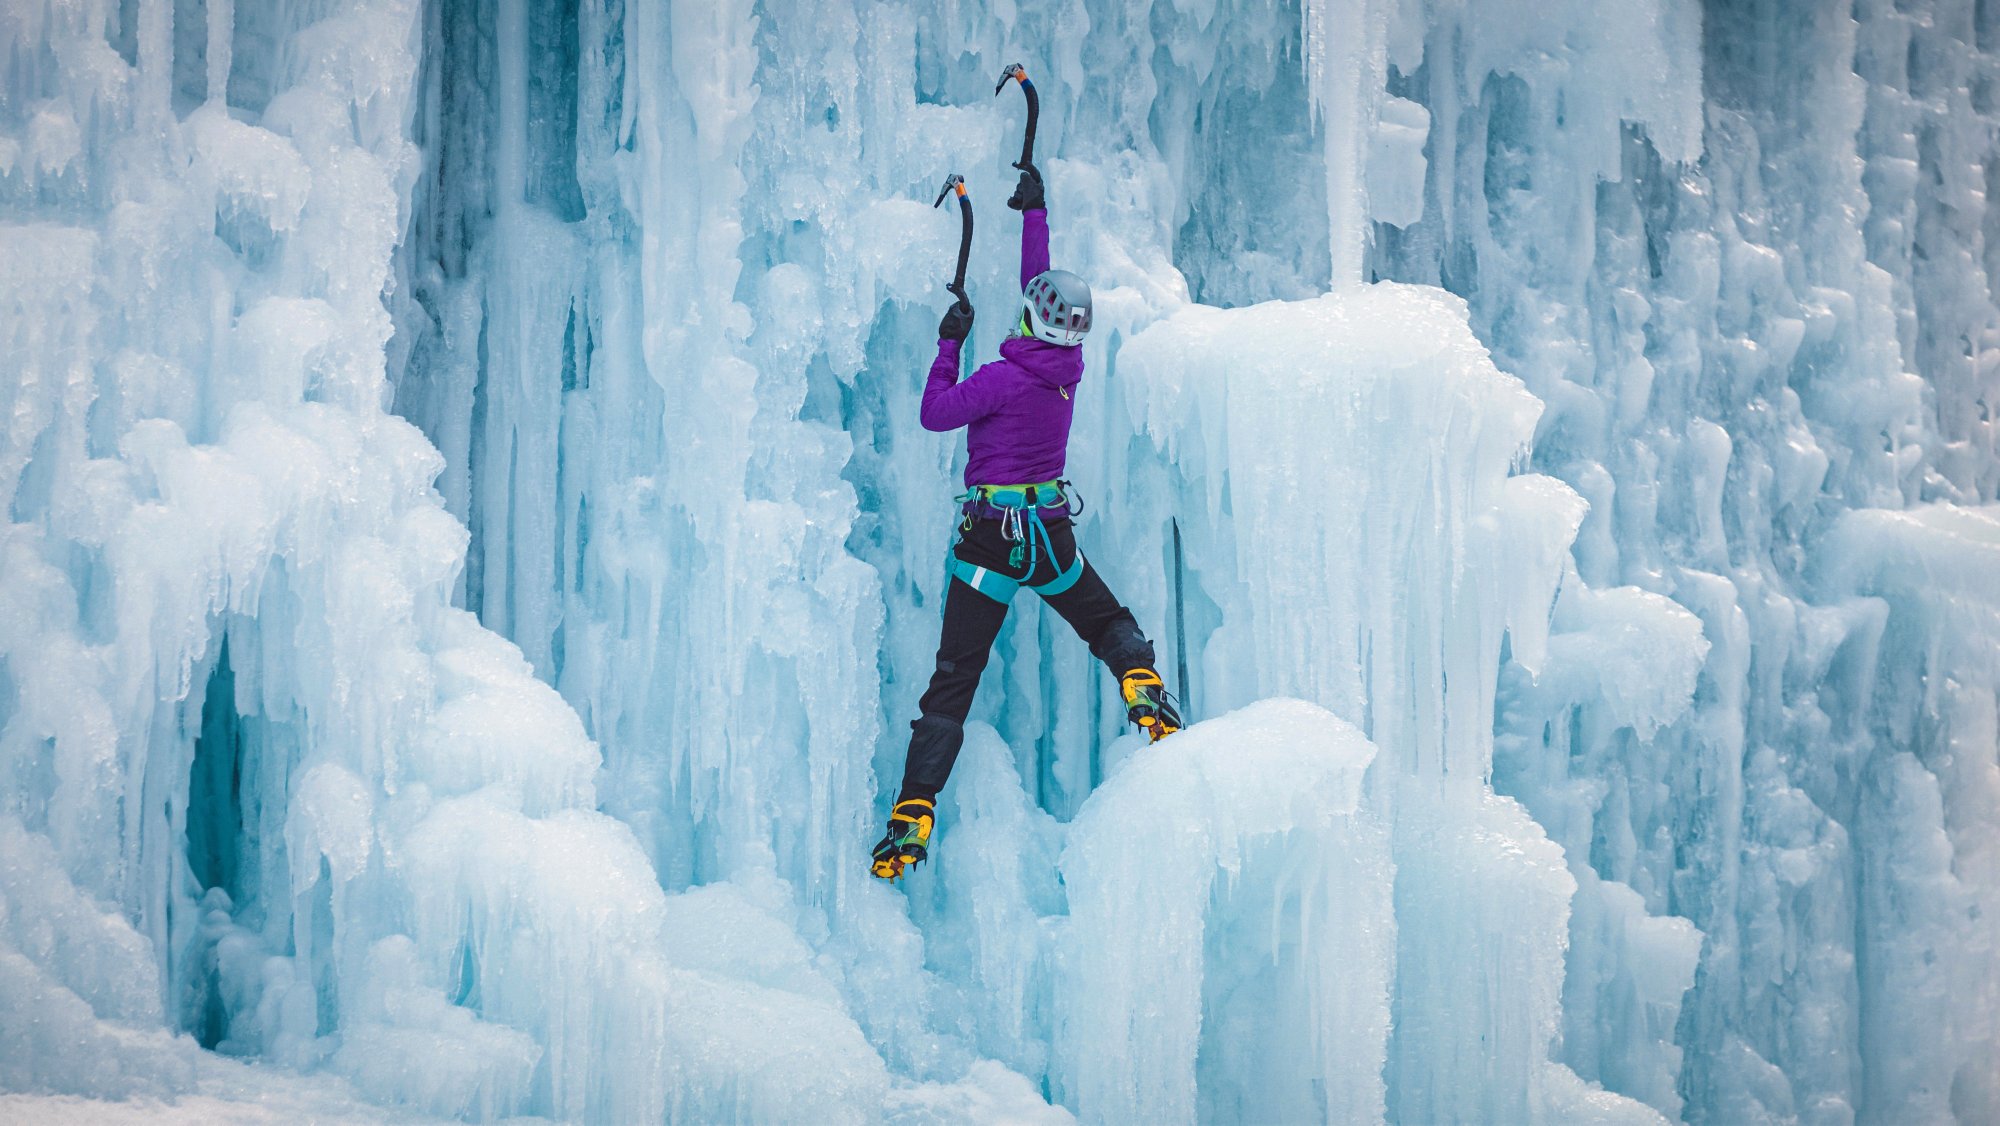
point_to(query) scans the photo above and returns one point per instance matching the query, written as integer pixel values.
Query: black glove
(957, 322)
(1028, 193)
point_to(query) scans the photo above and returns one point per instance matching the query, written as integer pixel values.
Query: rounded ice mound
(1230, 904)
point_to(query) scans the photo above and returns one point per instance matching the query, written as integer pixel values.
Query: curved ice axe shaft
(1017, 72)
(956, 183)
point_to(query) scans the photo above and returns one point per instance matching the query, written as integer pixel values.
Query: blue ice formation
(467, 559)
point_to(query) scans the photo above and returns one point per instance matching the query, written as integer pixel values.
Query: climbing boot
(1148, 705)
(909, 838)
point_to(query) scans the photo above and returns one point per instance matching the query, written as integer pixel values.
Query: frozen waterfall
(468, 560)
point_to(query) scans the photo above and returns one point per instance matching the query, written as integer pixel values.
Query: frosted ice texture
(468, 561)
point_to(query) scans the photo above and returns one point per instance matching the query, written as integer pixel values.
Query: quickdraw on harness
(1020, 508)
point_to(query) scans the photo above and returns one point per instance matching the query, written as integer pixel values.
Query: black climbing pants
(972, 621)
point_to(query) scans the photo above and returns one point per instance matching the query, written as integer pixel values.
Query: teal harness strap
(1063, 581)
(993, 585)
(1034, 529)
(1001, 589)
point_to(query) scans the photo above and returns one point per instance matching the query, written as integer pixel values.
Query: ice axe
(1016, 71)
(956, 183)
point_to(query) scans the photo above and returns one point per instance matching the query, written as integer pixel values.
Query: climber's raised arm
(949, 403)
(1028, 199)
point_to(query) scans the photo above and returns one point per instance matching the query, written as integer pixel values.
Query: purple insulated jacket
(1017, 408)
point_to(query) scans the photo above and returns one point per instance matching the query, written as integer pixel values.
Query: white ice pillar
(1346, 49)
(221, 38)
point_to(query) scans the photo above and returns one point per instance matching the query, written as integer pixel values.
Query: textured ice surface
(1230, 925)
(467, 560)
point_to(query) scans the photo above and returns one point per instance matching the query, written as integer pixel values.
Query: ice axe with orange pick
(1020, 74)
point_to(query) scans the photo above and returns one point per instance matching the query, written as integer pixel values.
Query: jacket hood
(1050, 364)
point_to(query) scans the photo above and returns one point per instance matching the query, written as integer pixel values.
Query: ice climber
(1015, 529)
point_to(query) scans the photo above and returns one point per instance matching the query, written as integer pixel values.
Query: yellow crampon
(908, 840)
(1148, 705)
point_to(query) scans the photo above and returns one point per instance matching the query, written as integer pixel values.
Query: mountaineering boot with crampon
(909, 838)
(1148, 705)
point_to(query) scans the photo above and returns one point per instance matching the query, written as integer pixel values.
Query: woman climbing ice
(1016, 527)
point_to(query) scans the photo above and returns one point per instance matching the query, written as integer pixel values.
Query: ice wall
(1345, 468)
(1230, 923)
(272, 782)
(1735, 353)
(1634, 593)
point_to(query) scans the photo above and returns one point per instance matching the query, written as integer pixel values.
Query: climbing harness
(1020, 508)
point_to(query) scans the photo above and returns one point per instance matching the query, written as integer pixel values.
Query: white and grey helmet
(1058, 307)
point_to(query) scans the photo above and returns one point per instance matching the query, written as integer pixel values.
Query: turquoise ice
(467, 555)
